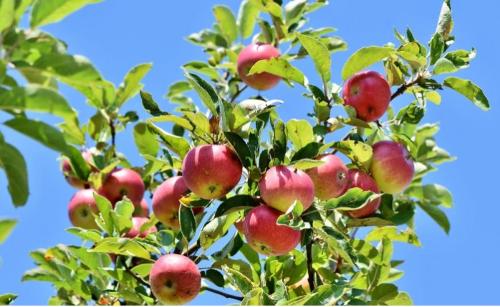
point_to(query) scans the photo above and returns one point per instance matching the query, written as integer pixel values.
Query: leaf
(433, 193)
(244, 153)
(469, 90)
(14, 165)
(437, 45)
(402, 299)
(121, 246)
(145, 140)
(7, 16)
(291, 217)
(279, 67)
(299, 132)
(437, 215)
(445, 22)
(150, 104)
(105, 207)
(175, 143)
(177, 120)
(39, 131)
(358, 152)
(206, 92)
(131, 84)
(363, 58)
(6, 299)
(304, 164)
(217, 228)
(227, 22)
(236, 203)
(384, 292)
(394, 234)
(294, 11)
(85, 234)
(122, 215)
(50, 11)
(202, 68)
(187, 222)
(353, 199)
(238, 280)
(247, 16)
(214, 276)
(309, 151)
(319, 54)
(6, 227)
(142, 270)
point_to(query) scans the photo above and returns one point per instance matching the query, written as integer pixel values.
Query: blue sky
(116, 35)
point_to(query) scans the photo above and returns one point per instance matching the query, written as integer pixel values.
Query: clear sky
(115, 35)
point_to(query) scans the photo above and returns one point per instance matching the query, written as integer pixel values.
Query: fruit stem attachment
(310, 271)
(224, 294)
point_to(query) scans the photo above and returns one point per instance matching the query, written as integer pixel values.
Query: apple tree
(244, 204)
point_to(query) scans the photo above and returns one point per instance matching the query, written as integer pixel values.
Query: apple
(211, 171)
(135, 231)
(166, 201)
(392, 167)
(81, 208)
(362, 180)
(69, 173)
(368, 93)
(123, 182)
(265, 236)
(141, 209)
(175, 279)
(250, 55)
(281, 186)
(330, 178)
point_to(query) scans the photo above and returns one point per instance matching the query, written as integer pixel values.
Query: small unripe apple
(281, 186)
(330, 179)
(360, 179)
(392, 167)
(250, 55)
(123, 182)
(81, 208)
(141, 209)
(211, 171)
(166, 201)
(135, 231)
(265, 236)
(368, 93)
(69, 173)
(175, 279)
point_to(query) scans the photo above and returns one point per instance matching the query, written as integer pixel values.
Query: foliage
(339, 266)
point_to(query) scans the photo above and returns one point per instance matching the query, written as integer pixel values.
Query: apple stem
(224, 294)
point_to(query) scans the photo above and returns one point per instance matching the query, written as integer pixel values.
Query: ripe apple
(175, 279)
(69, 173)
(392, 167)
(166, 201)
(81, 207)
(211, 171)
(330, 179)
(123, 182)
(265, 236)
(368, 93)
(281, 186)
(135, 231)
(250, 55)
(363, 181)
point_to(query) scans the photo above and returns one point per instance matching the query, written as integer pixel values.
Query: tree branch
(240, 90)
(404, 87)
(224, 294)
(310, 271)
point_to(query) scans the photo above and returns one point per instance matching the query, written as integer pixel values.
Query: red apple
(123, 182)
(81, 208)
(69, 173)
(281, 186)
(368, 93)
(175, 279)
(166, 201)
(141, 209)
(248, 57)
(135, 231)
(392, 167)
(265, 236)
(211, 171)
(330, 179)
(362, 180)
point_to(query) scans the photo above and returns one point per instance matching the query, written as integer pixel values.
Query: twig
(192, 249)
(140, 280)
(240, 90)
(310, 271)
(224, 294)
(404, 87)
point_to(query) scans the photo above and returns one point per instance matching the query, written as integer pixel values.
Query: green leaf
(227, 22)
(142, 270)
(319, 54)
(469, 90)
(236, 203)
(359, 152)
(363, 58)
(131, 84)
(437, 47)
(402, 299)
(247, 16)
(122, 215)
(294, 11)
(121, 246)
(105, 207)
(85, 234)
(202, 68)
(206, 92)
(14, 165)
(187, 222)
(445, 22)
(150, 104)
(437, 215)
(8, 298)
(433, 193)
(214, 276)
(238, 280)
(50, 11)
(244, 153)
(6, 227)
(309, 151)
(384, 292)
(40, 131)
(7, 16)
(304, 164)
(291, 217)
(177, 120)
(299, 132)
(279, 67)
(175, 143)
(145, 140)
(394, 234)
(217, 228)
(353, 199)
